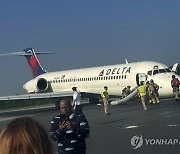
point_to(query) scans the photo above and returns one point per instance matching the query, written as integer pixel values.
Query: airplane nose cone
(25, 86)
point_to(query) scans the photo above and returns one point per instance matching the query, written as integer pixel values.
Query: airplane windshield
(168, 70)
(158, 71)
(149, 72)
(155, 72)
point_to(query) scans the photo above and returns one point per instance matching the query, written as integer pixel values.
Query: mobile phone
(63, 117)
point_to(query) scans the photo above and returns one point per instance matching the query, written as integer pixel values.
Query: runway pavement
(128, 130)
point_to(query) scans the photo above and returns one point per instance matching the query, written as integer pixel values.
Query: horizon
(86, 34)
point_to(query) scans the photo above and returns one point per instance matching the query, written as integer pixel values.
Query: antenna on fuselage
(126, 61)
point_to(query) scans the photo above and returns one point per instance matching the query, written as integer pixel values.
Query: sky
(85, 33)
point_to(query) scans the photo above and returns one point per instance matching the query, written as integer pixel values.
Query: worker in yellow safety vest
(142, 94)
(105, 97)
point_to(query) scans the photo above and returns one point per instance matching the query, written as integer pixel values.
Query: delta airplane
(90, 81)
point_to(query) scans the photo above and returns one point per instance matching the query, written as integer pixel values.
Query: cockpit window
(149, 72)
(168, 70)
(162, 71)
(155, 67)
(158, 71)
(155, 72)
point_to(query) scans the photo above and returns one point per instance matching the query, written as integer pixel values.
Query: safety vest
(105, 94)
(142, 90)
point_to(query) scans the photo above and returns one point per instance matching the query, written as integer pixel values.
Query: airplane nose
(25, 86)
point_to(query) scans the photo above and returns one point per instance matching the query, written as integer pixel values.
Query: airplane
(90, 81)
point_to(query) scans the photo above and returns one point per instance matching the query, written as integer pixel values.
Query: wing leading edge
(38, 95)
(47, 95)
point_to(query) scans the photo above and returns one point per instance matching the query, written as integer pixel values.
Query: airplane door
(140, 77)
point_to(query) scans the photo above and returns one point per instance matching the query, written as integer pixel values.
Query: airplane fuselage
(92, 80)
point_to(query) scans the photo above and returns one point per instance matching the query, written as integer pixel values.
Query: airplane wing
(48, 95)
(38, 95)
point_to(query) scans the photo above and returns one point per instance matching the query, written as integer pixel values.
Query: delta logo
(115, 71)
(101, 73)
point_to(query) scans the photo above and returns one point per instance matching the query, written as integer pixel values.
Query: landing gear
(57, 104)
(94, 100)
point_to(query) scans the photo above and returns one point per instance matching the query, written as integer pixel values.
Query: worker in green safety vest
(105, 97)
(142, 94)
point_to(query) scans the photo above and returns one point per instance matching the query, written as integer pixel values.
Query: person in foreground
(69, 130)
(25, 136)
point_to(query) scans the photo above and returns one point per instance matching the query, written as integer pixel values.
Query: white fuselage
(115, 77)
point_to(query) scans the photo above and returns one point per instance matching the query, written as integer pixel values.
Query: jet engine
(36, 85)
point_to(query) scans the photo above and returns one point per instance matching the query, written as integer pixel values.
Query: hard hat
(151, 81)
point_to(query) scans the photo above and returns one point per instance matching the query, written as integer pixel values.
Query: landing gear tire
(57, 105)
(93, 100)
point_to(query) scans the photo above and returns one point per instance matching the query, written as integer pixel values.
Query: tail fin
(33, 61)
